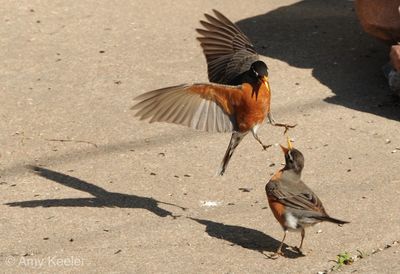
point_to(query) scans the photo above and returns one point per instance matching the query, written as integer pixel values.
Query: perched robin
(294, 204)
(237, 101)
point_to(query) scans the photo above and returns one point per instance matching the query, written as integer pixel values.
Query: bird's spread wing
(228, 51)
(208, 107)
(297, 196)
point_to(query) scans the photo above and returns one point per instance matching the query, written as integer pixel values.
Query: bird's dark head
(260, 70)
(294, 159)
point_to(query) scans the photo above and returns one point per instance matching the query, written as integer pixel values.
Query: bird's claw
(266, 146)
(286, 126)
(174, 217)
(300, 251)
(275, 255)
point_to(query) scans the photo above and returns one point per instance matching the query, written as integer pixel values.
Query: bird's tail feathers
(333, 220)
(236, 138)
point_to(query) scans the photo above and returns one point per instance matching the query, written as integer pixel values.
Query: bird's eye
(255, 72)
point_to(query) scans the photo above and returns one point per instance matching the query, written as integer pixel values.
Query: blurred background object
(381, 19)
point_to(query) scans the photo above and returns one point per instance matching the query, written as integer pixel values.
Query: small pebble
(153, 174)
(244, 189)
(187, 175)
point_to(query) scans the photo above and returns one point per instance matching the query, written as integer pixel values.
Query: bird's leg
(259, 140)
(271, 119)
(254, 131)
(272, 122)
(303, 234)
(279, 250)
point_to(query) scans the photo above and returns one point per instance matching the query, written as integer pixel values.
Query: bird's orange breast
(253, 106)
(278, 209)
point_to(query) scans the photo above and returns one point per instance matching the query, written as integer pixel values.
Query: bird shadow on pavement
(245, 237)
(326, 37)
(102, 197)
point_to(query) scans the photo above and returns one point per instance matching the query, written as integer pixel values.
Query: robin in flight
(294, 204)
(237, 100)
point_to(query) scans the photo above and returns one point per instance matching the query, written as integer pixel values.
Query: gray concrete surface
(69, 71)
(386, 261)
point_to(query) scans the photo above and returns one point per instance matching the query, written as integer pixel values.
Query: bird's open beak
(284, 149)
(290, 146)
(265, 81)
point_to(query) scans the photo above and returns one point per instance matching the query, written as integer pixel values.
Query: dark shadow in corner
(245, 237)
(102, 198)
(325, 36)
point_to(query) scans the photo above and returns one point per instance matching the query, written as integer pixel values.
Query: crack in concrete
(360, 256)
